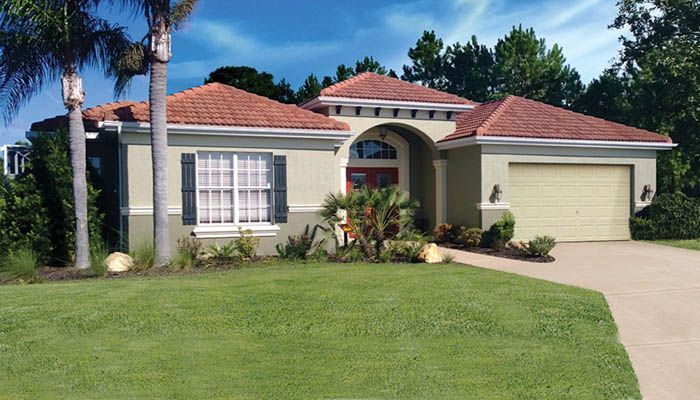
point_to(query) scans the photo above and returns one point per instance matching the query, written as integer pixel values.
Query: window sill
(232, 231)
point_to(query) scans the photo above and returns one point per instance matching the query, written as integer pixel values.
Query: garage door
(571, 202)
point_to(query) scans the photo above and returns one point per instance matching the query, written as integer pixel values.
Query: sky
(293, 38)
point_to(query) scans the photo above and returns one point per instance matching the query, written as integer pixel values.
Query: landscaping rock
(430, 254)
(119, 262)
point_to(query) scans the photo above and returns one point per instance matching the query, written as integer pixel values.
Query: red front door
(371, 177)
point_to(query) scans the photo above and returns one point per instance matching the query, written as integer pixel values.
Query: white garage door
(572, 202)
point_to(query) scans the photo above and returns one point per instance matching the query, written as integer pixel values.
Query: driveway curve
(654, 296)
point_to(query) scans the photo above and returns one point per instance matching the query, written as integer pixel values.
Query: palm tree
(162, 17)
(40, 42)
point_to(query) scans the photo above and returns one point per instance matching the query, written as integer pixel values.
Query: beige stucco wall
(311, 175)
(464, 185)
(495, 160)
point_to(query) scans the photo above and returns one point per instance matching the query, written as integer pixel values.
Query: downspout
(120, 186)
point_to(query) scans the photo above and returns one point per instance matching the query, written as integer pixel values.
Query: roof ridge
(332, 88)
(494, 115)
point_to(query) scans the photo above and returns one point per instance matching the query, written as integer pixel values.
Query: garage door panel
(572, 202)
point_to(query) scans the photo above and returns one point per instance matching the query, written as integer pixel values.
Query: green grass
(312, 331)
(691, 244)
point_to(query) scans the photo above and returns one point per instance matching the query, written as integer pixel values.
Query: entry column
(440, 191)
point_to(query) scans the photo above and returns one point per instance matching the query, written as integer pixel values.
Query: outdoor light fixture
(647, 192)
(497, 192)
(382, 133)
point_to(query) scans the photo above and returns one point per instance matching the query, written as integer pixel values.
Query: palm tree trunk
(73, 99)
(159, 154)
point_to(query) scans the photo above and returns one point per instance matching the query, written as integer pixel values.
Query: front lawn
(690, 244)
(312, 331)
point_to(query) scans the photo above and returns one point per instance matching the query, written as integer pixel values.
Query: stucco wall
(464, 185)
(311, 175)
(495, 160)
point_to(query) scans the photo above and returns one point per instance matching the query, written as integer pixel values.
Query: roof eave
(242, 131)
(518, 141)
(322, 101)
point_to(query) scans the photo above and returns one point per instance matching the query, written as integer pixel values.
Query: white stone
(430, 254)
(119, 262)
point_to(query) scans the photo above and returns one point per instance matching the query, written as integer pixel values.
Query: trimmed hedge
(670, 216)
(501, 232)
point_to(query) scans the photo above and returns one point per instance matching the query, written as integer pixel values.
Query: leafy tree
(427, 62)
(310, 88)
(245, 78)
(663, 56)
(525, 67)
(327, 81)
(285, 93)
(608, 97)
(468, 70)
(162, 16)
(343, 72)
(40, 42)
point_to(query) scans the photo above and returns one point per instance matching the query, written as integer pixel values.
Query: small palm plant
(42, 41)
(373, 215)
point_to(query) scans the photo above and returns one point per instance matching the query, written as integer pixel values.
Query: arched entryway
(394, 154)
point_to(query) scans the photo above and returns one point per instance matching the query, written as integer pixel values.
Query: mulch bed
(509, 252)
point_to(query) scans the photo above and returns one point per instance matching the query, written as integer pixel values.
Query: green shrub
(247, 244)
(20, 264)
(98, 257)
(404, 250)
(298, 246)
(226, 252)
(447, 258)
(540, 246)
(189, 250)
(670, 216)
(349, 254)
(642, 228)
(501, 232)
(144, 257)
(469, 237)
(446, 233)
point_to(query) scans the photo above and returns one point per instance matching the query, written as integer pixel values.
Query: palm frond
(181, 11)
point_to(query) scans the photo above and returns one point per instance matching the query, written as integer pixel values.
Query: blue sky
(294, 38)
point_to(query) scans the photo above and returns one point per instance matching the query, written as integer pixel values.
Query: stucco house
(240, 160)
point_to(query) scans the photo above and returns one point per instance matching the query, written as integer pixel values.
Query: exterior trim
(240, 131)
(353, 102)
(505, 140)
(147, 211)
(304, 208)
(492, 206)
(232, 231)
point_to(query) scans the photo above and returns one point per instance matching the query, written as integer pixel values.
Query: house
(238, 160)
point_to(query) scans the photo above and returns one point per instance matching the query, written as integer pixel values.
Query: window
(373, 150)
(234, 188)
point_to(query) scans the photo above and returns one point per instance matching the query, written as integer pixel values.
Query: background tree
(427, 62)
(468, 70)
(310, 88)
(42, 41)
(609, 97)
(663, 57)
(525, 67)
(249, 79)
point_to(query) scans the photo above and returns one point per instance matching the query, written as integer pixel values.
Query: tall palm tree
(162, 16)
(40, 42)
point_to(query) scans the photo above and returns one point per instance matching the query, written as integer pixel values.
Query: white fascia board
(599, 144)
(213, 130)
(34, 134)
(410, 105)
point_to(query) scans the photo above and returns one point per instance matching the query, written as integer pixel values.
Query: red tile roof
(515, 116)
(210, 104)
(368, 85)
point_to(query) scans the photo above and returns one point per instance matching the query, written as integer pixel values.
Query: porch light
(647, 192)
(497, 192)
(382, 133)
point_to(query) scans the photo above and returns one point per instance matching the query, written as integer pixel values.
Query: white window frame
(232, 230)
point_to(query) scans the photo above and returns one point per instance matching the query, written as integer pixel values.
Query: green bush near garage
(669, 216)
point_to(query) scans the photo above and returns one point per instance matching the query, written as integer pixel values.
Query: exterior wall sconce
(497, 192)
(382, 133)
(647, 193)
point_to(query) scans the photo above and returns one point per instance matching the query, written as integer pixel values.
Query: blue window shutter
(189, 189)
(280, 188)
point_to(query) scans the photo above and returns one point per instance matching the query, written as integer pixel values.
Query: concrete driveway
(654, 295)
